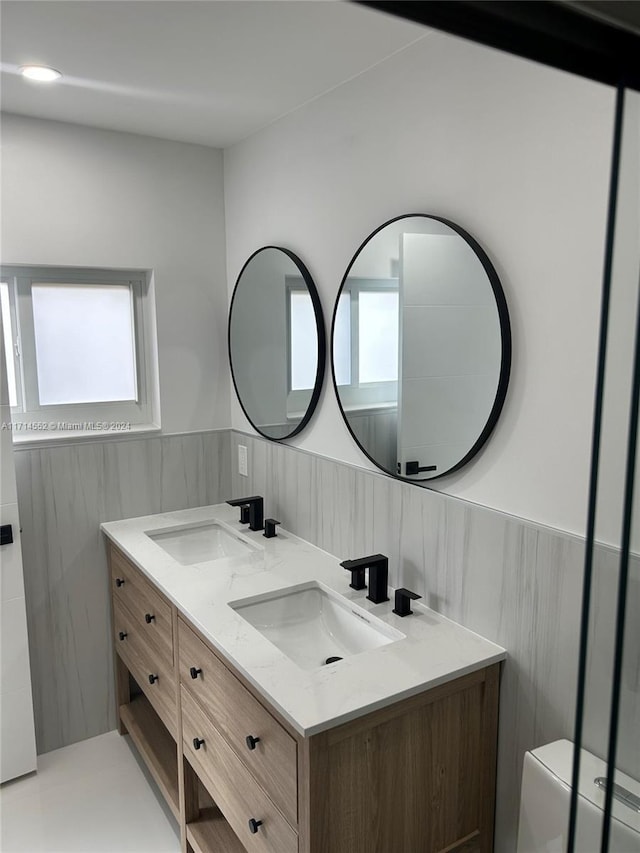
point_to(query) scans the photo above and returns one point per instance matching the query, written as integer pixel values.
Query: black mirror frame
(321, 336)
(505, 332)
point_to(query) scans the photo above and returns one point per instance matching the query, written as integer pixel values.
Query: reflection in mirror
(421, 347)
(276, 342)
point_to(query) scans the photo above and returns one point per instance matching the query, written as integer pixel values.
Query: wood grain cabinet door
(151, 611)
(263, 746)
(257, 822)
(149, 668)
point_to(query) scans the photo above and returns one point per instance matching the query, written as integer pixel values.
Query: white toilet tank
(544, 804)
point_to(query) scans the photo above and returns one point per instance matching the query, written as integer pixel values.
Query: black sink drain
(333, 659)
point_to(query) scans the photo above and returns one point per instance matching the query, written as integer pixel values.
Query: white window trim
(33, 422)
(13, 344)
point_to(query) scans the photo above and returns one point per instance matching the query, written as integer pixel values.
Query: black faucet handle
(357, 570)
(270, 525)
(403, 599)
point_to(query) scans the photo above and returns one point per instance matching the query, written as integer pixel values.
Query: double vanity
(281, 711)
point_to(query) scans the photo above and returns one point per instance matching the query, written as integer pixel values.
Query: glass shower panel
(608, 722)
(624, 757)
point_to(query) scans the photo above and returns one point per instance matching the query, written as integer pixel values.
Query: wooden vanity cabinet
(262, 744)
(146, 684)
(415, 777)
(150, 611)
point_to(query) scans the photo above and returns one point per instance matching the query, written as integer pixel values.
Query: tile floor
(91, 797)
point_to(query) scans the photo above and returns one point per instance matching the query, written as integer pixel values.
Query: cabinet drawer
(239, 715)
(235, 791)
(150, 610)
(143, 661)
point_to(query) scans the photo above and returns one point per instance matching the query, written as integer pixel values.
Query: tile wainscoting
(514, 582)
(64, 493)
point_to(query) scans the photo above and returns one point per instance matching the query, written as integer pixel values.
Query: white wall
(515, 153)
(74, 196)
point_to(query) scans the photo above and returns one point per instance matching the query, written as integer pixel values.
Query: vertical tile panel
(384, 525)
(183, 472)
(218, 465)
(61, 498)
(64, 493)
(132, 478)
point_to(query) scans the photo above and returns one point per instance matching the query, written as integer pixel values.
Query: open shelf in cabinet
(156, 746)
(210, 831)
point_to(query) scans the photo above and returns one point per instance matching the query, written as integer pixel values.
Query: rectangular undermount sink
(312, 624)
(200, 543)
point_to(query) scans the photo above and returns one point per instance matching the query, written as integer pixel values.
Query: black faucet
(378, 566)
(403, 599)
(256, 510)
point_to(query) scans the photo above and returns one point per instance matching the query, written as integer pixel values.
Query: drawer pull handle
(194, 673)
(152, 678)
(122, 635)
(119, 582)
(197, 742)
(149, 618)
(254, 825)
(251, 741)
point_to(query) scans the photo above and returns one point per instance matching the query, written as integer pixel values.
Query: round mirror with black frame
(421, 347)
(276, 342)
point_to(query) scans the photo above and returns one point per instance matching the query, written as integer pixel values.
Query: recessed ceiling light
(41, 73)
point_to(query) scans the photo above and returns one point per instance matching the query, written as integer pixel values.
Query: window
(378, 335)
(303, 339)
(302, 346)
(366, 341)
(79, 350)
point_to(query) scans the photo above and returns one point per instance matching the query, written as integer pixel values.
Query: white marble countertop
(435, 649)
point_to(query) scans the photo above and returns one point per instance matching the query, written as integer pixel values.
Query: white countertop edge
(380, 704)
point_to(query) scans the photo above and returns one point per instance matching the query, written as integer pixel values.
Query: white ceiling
(204, 71)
